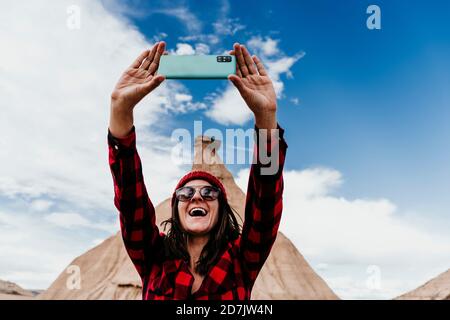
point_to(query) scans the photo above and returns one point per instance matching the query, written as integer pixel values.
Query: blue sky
(365, 112)
(372, 103)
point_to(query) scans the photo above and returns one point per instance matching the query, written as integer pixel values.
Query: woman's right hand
(135, 83)
(139, 79)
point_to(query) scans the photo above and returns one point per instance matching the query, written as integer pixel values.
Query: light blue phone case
(197, 66)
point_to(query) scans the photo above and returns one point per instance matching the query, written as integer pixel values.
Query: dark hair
(226, 229)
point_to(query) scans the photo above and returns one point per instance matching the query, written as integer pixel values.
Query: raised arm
(138, 80)
(140, 234)
(265, 186)
(264, 202)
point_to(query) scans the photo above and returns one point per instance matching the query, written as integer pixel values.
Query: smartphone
(197, 66)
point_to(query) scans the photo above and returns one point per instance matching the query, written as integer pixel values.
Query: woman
(204, 255)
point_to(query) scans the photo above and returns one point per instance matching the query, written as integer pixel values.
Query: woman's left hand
(255, 87)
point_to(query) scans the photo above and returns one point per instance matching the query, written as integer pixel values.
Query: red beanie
(201, 175)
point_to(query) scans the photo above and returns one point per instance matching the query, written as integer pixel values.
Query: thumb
(237, 81)
(149, 86)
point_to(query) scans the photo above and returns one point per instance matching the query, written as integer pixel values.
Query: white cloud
(211, 39)
(124, 9)
(40, 205)
(159, 37)
(181, 97)
(184, 49)
(67, 219)
(53, 134)
(224, 24)
(295, 101)
(201, 48)
(349, 235)
(275, 68)
(33, 251)
(55, 90)
(228, 26)
(187, 49)
(176, 100)
(268, 47)
(190, 20)
(75, 220)
(228, 107)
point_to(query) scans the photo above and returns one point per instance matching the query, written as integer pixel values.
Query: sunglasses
(208, 193)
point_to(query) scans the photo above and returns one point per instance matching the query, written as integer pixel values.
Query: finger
(237, 81)
(155, 63)
(139, 59)
(238, 71)
(153, 83)
(249, 61)
(262, 71)
(240, 60)
(149, 58)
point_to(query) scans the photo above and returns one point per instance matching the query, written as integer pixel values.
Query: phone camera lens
(223, 58)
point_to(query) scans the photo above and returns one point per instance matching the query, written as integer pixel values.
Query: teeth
(199, 209)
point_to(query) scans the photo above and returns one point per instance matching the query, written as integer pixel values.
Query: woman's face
(191, 221)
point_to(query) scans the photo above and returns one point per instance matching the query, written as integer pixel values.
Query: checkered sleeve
(137, 213)
(263, 201)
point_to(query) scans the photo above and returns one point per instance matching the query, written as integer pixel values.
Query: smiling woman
(204, 255)
(203, 220)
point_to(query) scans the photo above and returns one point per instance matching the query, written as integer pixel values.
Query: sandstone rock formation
(436, 289)
(107, 272)
(11, 291)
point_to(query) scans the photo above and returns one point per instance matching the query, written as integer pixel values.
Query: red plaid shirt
(235, 272)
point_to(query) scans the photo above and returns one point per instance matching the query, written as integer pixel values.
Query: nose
(197, 196)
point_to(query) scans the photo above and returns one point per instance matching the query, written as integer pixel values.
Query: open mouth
(198, 212)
